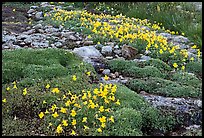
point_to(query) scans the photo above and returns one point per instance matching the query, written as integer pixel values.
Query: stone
(34, 7)
(39, 16)
(28, 40)
(71, 37)
(183, 46)
(116, 47)
(117, 51)
(110, 44)
(112, 75)
(106, 50)
(123, 81)
(109, 57)
(30, 11)
(167, 35)
(70, 7)
(22, 36)
(87, 51)
(129, 52)
(86, 43)
(194, 51)
(198, 103)
(180, 39)
(40, 44)
(145, 58)
(67, 34)
(116, 74)
(7, 38)
(38, 26)
(58, 44)
(106, 72)
(31, 31)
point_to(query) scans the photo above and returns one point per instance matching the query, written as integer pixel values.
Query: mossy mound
(164, 87)
(134, 69)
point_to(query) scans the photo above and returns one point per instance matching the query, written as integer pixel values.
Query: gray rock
(51, 30)
(34, 7)
(40, 44)
(39, 16)
(106, 50)
(198, 103)
(58, 44)
(190, 55)
(116, 47)
(40, 31)
(31, 11)
(180, 39)
(22, 36)
(86, 43)
(167, 35)
(123, 81)
(194, 51)
(67, 34)
(28, 40)
(29, 32)
(129, 52)
(38, 26)
(70, 7)
(117, 51)
(110, 44)
(145, 58)
(87, 51)
(183, 46)
(7, 38)
(71, 37)
(106, 72)
(109, 57)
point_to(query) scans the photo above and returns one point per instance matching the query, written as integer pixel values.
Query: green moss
(163, 87)
(128, 122)
(186, 79)
(162, 66)
(134, 69)
(195, 67)
(41, 64)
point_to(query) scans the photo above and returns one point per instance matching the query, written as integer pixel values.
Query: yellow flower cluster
(123, 30)
(89, 109)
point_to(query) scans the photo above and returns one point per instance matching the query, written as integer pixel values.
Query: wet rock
(106, 72)
(87, 51)
(106, 50)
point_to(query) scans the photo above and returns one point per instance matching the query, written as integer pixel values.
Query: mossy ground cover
(155, 76)
(23, 108)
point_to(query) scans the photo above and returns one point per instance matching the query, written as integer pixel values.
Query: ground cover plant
(53, 92)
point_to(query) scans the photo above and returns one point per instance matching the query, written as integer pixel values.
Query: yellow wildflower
(59, 129)
(175, 65)
(7, 88)
(183, 67)
(41, 115)
(25, 91)
(73, 113)
(14, 86)
(55, 90)
(63, 110)
(44, 102)
(74, 122)
(74, 77)
(86, 127)
(192, 58)
(194, 47)
(101, 109)
(102, 119)
(84, 119)
(4, 100)
(47, 86)
(99, 130)
(103, 125)
(88, 73)
(117, 102)
(106, 77)
(55, 115)
(64, 122)
(14, 10)
(73, 132)
(46, 112)
(111, 119)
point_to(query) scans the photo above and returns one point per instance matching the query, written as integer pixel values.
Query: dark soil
(14, 21)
